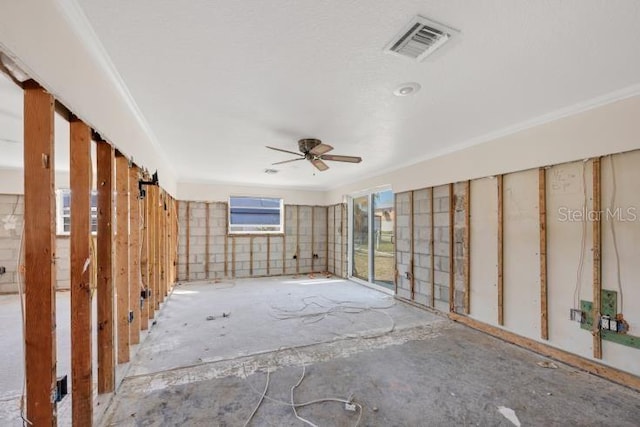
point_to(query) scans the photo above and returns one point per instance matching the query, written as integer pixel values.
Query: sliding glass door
(372, 238)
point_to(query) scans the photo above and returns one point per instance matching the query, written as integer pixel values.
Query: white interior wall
(605, 129)
(566, 190)
(521, 248)
(627, 232)
(484, 250)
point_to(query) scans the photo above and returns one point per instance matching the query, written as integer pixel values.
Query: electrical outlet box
(3, 270)
(131, 317)
(577, 315)
(350, 407)
(605, 322)
(61, 388)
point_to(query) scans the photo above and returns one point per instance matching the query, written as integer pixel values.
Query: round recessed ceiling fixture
(406, 89)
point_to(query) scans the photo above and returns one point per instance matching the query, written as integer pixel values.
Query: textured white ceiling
(219, 80)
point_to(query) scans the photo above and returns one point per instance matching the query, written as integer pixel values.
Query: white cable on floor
(294, 405)
(613, 231)
(264, 393)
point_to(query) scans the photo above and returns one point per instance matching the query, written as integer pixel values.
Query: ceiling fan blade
(319, 164)
(336, 158)
(320, 149)
(285, 151)
(287, 161)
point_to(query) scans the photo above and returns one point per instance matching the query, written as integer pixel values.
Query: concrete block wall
(413, 251)
(300, 250)
(337, 239)
(11, 222)
(441, 246)
(422, 245)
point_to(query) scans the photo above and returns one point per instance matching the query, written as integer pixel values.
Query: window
(63, 212)
(255, 215)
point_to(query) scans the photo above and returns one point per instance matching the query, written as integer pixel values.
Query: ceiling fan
(315, 151)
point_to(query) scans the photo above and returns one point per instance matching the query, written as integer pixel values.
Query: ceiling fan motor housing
(307, 144)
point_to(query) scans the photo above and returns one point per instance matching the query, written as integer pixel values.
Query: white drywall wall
(484, 250)
(521, 267)
(627, 232)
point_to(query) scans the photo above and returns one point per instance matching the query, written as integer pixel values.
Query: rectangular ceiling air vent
(420, 39)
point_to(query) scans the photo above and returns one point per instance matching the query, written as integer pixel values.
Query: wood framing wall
(134, 260)
(528, 247)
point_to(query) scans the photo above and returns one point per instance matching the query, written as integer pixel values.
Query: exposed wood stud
(268, 254)
(452, 244)
(153, 250)
(233, 257)
(80, 274)
(188, 244)
(162, 244)
(395, 243)
(597, 260)
(335, 240)
(144, 262)
(206, 240)
(326, 248)
(431, 249)
(251, 241)
(226, 241)
(135, 286)
(313, 233)
(105, 291)
(122, 257)
(297, 240)
(39, 252)
(284, 242)
(542, 209)
(412, 246)
(343, 244)
(500, 251)
(467, 247)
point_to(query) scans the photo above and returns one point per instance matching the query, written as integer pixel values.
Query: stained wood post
(188, 244)
(151, 207)
(135, 285)
(597, 261)
(431, 251)
(500, 252)
(206, 241)
(452, 264)
(467, 247)
(412, 247)
(158, 249)
(542, 209)
(39, 255)
(122, 256)
(80, 274)
(105, 291)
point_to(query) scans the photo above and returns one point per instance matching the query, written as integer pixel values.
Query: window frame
(61, 215)
(280, 226)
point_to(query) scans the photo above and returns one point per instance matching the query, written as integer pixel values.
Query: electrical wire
(612, 227)
(294, 405)
(264, 393)
(19, 269)
(583, 240)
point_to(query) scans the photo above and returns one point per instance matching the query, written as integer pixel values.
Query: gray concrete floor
(427, 371)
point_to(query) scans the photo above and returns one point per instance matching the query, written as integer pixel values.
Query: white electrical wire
(583, 240)
(294, 405)
(25, 421)
(264, 393)
(613, 230)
